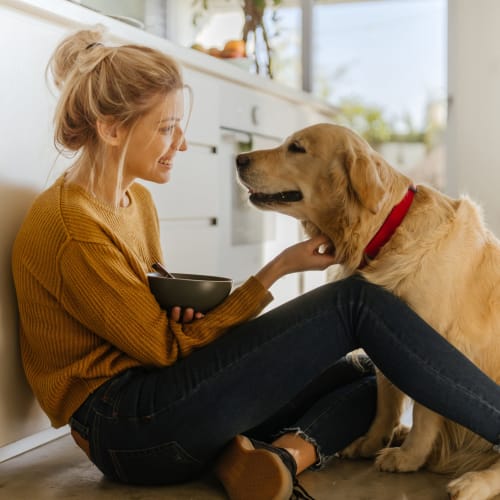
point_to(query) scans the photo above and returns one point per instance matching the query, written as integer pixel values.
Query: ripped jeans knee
(322, 459)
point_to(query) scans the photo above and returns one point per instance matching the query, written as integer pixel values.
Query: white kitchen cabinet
(203, 126)
(194, 208)
(191, 246)
(251, 110)
(189, 204)
(194, 187)
(189, 209)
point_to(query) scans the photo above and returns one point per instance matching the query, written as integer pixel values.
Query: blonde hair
(98, 82)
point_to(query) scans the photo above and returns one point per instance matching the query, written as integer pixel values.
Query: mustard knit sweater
(86, 312)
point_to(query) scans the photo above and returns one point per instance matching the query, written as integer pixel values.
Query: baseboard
(28, 443)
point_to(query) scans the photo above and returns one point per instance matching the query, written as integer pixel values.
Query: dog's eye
(295, 147)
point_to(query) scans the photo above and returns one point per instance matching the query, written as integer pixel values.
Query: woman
(156, 397)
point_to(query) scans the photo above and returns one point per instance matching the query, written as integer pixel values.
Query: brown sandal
(251, 470)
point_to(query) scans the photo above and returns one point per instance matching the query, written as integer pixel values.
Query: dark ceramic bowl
(198, 291)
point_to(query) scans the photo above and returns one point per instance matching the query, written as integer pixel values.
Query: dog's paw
(470, 486)
(397, 460)
(364, 447)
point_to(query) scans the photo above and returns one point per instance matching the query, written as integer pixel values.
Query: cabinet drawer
(194, 187)
(190, 246)
(255, 111)
(203, 127)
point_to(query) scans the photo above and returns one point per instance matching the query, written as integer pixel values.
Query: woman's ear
(109, 132)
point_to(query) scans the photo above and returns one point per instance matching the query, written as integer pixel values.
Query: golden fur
(442, 261)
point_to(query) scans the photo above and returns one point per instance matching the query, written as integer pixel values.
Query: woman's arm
(313, 254)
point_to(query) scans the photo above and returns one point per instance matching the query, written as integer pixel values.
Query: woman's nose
(179, 143)
(183, 144)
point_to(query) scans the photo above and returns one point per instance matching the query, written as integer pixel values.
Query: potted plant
(254, 29)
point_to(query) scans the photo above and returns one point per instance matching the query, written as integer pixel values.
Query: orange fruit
(236, 48)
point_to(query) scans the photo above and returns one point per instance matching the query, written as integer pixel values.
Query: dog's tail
(458, 450)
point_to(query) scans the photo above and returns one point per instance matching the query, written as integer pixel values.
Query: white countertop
(74, 16)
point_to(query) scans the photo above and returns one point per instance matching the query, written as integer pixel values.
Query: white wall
(26, 157)
(474, 111)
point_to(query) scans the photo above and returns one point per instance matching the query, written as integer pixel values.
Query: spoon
(160, 268)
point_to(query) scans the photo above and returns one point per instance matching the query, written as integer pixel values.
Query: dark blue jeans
(282, 370)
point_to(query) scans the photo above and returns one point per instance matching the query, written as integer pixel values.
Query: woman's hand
(188, 314)
(313, 254)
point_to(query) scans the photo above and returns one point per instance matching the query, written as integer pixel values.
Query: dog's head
(328, 177)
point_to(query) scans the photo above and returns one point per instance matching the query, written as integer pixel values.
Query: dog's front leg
(413, 453)
(389, 410)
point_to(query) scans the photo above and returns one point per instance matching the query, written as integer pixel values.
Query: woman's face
(154, 141)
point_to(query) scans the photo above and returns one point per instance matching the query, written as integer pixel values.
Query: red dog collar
(387, 229)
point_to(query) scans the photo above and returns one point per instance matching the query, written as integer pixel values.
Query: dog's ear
(363, 175)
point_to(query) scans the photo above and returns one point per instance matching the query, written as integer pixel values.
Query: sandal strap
(285, 456)
(299, 492)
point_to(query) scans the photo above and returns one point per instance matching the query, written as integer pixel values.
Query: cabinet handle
(255, 115)
(173, 224)
(212, 149)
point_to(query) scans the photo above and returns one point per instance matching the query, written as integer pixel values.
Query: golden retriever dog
(441, 260)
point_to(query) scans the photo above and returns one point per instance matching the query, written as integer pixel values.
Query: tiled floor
(60, 470)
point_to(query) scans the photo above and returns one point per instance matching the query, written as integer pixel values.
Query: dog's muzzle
(243, 161)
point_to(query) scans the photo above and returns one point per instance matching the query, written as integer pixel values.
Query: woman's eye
(295, 147)
(167, 130)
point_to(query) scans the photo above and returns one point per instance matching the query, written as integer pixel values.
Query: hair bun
(68, 52)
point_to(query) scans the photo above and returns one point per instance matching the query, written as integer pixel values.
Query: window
(383, 64)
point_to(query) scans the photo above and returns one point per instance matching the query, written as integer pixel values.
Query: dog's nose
(242, 161)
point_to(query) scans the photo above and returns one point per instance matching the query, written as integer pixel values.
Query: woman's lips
(165, 163)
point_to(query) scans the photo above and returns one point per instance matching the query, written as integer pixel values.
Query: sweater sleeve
(242, 304)
(105, 293)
